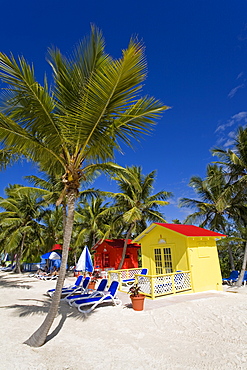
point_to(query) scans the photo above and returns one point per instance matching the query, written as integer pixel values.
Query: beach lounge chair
(131, 281)
(245, 278)
(93, 293)
(104, 297)
(233, 277)
(48, 277)
(8, 268)
(76, 286)
(82, 289)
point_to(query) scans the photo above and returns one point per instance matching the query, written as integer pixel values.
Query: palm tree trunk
(241, 276)
(125, 246)
(231, 259)
(64, 214)
(38, 338)
(17, 268)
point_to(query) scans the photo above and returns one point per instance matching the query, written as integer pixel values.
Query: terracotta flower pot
(91, 285)
(137, 302)
(77, 273)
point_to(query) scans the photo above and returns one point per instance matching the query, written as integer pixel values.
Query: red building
(108, 254)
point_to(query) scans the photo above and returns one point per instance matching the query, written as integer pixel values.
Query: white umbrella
(85, 261)
(51, 256)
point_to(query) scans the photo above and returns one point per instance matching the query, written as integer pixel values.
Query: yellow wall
(159, 237)
(204, 264)
(197, 254)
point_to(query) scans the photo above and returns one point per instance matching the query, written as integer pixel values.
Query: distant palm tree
(75, 124)
(135, 205)
(217, 205)
(235, 162)
(52, 221)
(92, 222)
(7, 158)
(19, 222)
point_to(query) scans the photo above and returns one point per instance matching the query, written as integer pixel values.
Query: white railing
(153, 286)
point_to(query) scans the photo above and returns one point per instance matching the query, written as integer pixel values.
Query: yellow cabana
(171, 248)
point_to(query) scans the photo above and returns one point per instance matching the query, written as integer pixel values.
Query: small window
(106, 259)
(167, 260)
(158, 261)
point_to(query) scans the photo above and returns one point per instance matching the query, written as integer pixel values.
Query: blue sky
(197, 64)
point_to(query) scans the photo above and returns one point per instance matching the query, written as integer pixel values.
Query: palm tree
(52, 221)
(217, 206)
(7, 158)
(135, 205)
(235, 162)
(19, 221)
(76, 123)
(91, 221)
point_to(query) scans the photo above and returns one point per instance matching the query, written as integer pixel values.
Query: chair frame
(91, 293)
(104, 297)
(76, 286)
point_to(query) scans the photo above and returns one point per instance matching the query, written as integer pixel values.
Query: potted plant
(136, 297)
(92, 283)
(94, 278)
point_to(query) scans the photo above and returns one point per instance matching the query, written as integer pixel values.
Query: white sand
(208, 332)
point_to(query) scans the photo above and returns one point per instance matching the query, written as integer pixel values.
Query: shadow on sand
(41, 307)
(14, 281)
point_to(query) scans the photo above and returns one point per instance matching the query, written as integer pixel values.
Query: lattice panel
(113, 276)
(129, 274)
(144, 283)
(182, 281)
(163, 284)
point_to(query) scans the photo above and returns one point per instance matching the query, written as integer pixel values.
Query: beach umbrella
(51, 256)
(85, 261)
(7, 257)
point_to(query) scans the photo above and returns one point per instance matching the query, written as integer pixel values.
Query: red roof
(190, 230)
(117, 243)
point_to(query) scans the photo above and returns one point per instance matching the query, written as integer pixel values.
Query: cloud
(239, 75)
(224, 126)
(241, 116)
(226, 138)
(234, 90)
(228, 143)
(232, 134)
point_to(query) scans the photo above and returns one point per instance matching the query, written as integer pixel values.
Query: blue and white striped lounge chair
(131, 281)
(74, 286)
(105, 297)
(82, 289)
(73, 297)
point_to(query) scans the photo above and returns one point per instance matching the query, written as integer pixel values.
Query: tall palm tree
(75, 124)
(217, 205)
(235, 162)
(135, 205)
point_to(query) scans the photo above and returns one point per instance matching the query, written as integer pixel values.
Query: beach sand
(201, 331)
